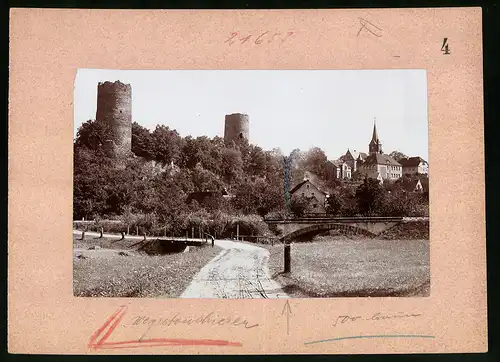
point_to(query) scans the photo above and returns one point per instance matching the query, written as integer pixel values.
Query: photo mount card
(124, 128)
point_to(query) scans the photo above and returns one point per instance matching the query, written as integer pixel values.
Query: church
(376, 164)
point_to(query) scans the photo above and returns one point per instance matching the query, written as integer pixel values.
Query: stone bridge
(296, 228)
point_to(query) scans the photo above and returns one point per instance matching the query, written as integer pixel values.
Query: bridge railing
(337, 218)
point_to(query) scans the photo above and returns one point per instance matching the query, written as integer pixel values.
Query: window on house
(314, 205)
(303, 194)
(307, 186)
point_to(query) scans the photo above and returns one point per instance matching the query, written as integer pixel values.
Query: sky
(288, 109)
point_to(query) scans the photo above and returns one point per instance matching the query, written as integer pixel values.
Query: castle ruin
(236, 128)
(114, 107)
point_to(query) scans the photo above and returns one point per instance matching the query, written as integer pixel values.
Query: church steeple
(375, 145)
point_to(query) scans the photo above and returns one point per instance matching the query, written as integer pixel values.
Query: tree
(342, 202)
(315, 161)
(356, 175)
(92, 134)
(256, 162)
(258, 196)
(232, 164)
(370, 197)
(300, 206)
(143, 144)
(167, 144)
(397, 155)
(205, 180)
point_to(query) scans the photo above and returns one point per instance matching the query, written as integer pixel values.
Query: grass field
(332, 267)
(116, 270)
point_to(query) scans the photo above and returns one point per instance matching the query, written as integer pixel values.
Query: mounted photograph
(251, 184)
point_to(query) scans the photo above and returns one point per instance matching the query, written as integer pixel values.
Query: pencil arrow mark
(288, 311)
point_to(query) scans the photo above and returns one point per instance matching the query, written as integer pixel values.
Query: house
(339, 169)
(378, 165)
(381, 166)
(316, 197)
(414, 165)
(352, 158)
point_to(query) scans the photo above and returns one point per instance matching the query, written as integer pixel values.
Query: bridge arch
(313, 230)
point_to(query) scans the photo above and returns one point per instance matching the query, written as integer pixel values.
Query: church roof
(380, 159)
(375, 135)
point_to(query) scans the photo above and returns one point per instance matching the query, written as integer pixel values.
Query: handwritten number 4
(445, 48)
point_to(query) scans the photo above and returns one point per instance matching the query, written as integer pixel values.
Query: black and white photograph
(242, 184)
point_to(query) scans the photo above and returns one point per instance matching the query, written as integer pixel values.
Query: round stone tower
(114, 106)
(236, 127)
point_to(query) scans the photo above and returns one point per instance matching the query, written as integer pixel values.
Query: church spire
(375, 145)
(375, 136)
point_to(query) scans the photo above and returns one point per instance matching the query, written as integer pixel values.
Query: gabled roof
(298, 186)
(362, 156)
(336, 163)
(411, 161)
(380, 159)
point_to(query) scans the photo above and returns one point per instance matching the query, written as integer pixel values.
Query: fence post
(238, 231)
(287, 161)
(287, 257)
(137, 230)
(83, 235)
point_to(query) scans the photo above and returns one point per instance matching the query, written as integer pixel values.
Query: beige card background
(47, 47)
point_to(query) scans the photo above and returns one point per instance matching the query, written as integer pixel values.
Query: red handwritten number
(258, 40)
(230, 40)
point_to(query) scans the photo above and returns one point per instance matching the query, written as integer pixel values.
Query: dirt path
(240, 271)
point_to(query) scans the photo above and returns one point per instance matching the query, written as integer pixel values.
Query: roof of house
(411, 161)
(298, 186)
(362, 155)
(338, 163)
(380, 159)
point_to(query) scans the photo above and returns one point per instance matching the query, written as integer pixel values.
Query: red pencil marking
(113, 321)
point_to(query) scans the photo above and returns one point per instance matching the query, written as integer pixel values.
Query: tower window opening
(240, 135)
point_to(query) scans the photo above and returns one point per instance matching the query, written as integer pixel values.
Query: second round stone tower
(114, 107)
(236, 127)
